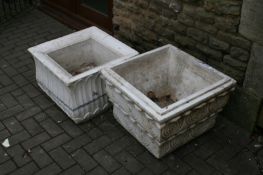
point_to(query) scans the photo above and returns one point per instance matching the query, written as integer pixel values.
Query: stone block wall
(207, 29)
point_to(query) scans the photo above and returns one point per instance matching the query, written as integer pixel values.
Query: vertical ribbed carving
(81, 100)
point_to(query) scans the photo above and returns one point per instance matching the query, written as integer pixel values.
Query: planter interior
(87, 55)
(168, 76)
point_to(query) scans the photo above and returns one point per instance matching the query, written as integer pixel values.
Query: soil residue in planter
(83, 68)
(161, 101)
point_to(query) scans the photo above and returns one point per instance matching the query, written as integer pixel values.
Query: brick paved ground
(44, 141)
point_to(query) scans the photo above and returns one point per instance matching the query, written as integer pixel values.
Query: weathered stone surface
(243, 108)
(260, 117)
(238, 75)
(251, 23)
(176, 5)
(204, 28)
(184, 19)
(239, 54)
(235, 40)
(229, 24)
(210, 52)
(234, 63)
(225, 7)
(217, 44)
(254, 75)
(197, 35)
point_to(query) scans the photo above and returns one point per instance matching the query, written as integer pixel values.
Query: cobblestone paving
(44, 141)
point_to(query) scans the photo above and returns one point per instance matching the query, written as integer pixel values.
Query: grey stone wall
(207, 29)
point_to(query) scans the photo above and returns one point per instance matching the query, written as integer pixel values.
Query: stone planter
(68, 69)
(166, 97)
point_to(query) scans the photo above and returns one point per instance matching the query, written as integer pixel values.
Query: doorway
(80, 14)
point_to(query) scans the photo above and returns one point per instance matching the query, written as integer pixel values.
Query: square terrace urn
(68, 70)
(166, 97)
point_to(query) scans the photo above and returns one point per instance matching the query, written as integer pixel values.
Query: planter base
(159, 149)
(74, 114)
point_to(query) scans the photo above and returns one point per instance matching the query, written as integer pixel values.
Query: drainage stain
(83, 68)
(162, 101)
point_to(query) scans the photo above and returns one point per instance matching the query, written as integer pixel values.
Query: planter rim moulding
(163, 114)
(41, 52)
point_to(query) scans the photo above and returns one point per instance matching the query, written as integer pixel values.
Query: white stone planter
(197, 93)
(68, 69)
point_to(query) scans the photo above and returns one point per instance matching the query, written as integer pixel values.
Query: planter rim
(40, 52)
(163, 114)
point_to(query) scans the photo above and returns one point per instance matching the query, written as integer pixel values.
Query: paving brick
(32, 126)
(41, 117)
(77, 143)
(51, 127)
(7, 89)
(71, 128)
(19, 155)
(40, 157)
(43, 101)
(10, 71)
(13, 125)
(4, 134)
(52, 169)
(135, 149)
(7, 167)
(98, 171)
(193, 172)
(111, 130)
(145, 172)
(198, 164)
(20, 80)
(121, 171)
(153, 164)
(87, 126)
(129, 162)
(245, 163)
(36, 140)
(2, 107)
(106, 161)
(10, 112)
(8, 100)
(5, 80)
(30, 90)
(28, 169)
(84, 160)
(97, 145)
(119, 145)
(56, 114)
(62, 158)
(18, 138)
(207, 149)
(1, 126)
(28, 113)
(186, 149)
(3, 155)
(25, 101)
(95, 133)
(176, 165)
(17, 92)
(56, 141)
(75, 170)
